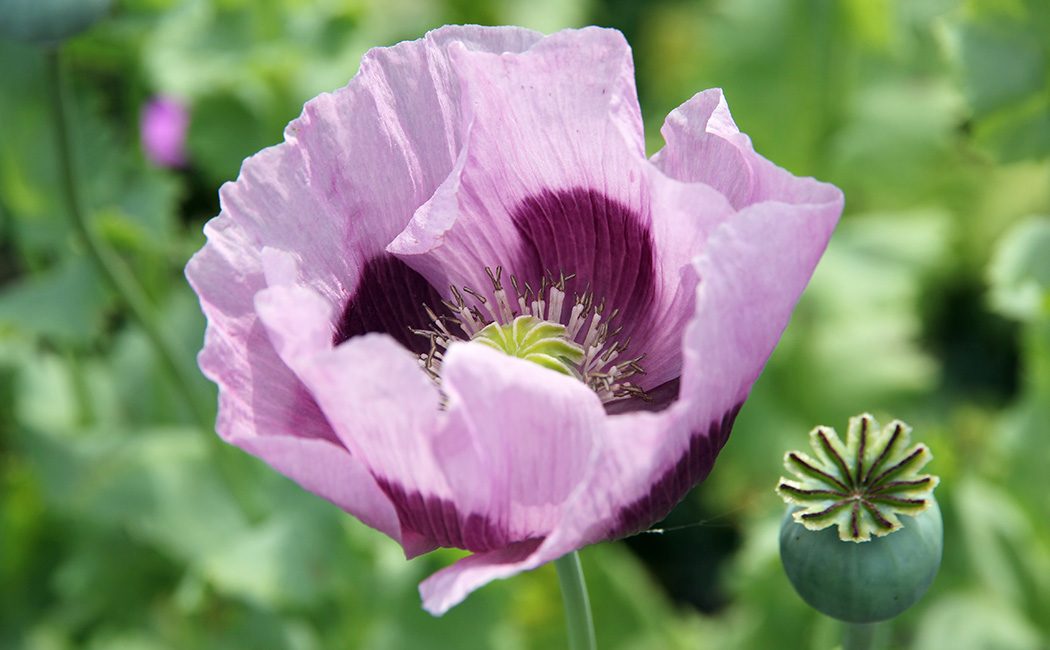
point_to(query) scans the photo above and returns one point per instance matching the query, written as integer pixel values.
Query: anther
(598, 362)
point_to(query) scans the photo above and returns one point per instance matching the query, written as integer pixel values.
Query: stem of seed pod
(577, 606)
(120, 278)
(860, 636)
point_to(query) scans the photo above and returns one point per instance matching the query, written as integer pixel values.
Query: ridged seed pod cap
(863, 536)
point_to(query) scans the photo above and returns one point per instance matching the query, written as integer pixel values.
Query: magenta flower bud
(163, 129)
(460, 302)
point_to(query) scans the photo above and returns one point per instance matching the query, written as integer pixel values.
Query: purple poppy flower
(163, 126)
(460, 303)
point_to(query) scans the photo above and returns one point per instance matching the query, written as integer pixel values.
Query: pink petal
(590, 515)
(752, 272)
(448, 587)
(705, 145)
(562, 115)
(552, 179)
(385, 411)
(383, 407)
(328, 470)
(298, 322)
(698, 150)
(350, 173)
(518, 440)
(258, 394)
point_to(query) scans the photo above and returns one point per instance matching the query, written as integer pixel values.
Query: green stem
(860, 636)
(112, 268)
(577, 606)
(127, 288)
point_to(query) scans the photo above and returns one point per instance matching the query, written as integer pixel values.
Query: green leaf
(290, 559)
(67, 304)
(1003, 63)
(864, 297)
(1019, 132)
(1003, 56)
(1019, 273)
(974, 621)
(223, 132)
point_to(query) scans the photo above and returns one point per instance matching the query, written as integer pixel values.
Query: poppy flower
(460, 302)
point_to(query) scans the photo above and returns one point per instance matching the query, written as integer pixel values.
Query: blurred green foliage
(931, 305)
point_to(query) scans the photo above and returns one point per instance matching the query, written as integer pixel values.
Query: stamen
(505, 312)
(532, 324)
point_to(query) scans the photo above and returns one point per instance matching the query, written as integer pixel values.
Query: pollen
(575, 336)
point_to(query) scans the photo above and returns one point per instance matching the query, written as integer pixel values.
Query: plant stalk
(578, 618)
(127, 288)
(860, 636)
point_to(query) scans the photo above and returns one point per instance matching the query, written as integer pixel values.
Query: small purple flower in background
(163, 126)
(460, 303)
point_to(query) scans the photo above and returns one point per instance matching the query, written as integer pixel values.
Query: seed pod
(863, 535)
(863, 583)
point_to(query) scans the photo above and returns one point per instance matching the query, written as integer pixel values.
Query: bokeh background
(118, 529)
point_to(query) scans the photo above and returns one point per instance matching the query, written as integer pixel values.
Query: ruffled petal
(449, 586)
(328, 470)
(382, 406)
(298, 322)
(518, 440)
(700, 138)
(752, 271)
(354, 166)
(703, 144)
(549, 128)
(359, 161)
(350, 173)
(258, 393)
(552, 180)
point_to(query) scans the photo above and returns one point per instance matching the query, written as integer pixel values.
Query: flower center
(574, 338)
(535, 340)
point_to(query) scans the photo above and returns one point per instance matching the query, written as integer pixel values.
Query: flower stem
(577, 606)
(123, 282)
(860, 636)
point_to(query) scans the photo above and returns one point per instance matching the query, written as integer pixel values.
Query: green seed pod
(48, 21)
(862, 538)
(863, 583)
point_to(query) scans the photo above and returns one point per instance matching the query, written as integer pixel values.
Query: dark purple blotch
(606, 244)
(389, 298)
(692, 467)
(439, 521)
